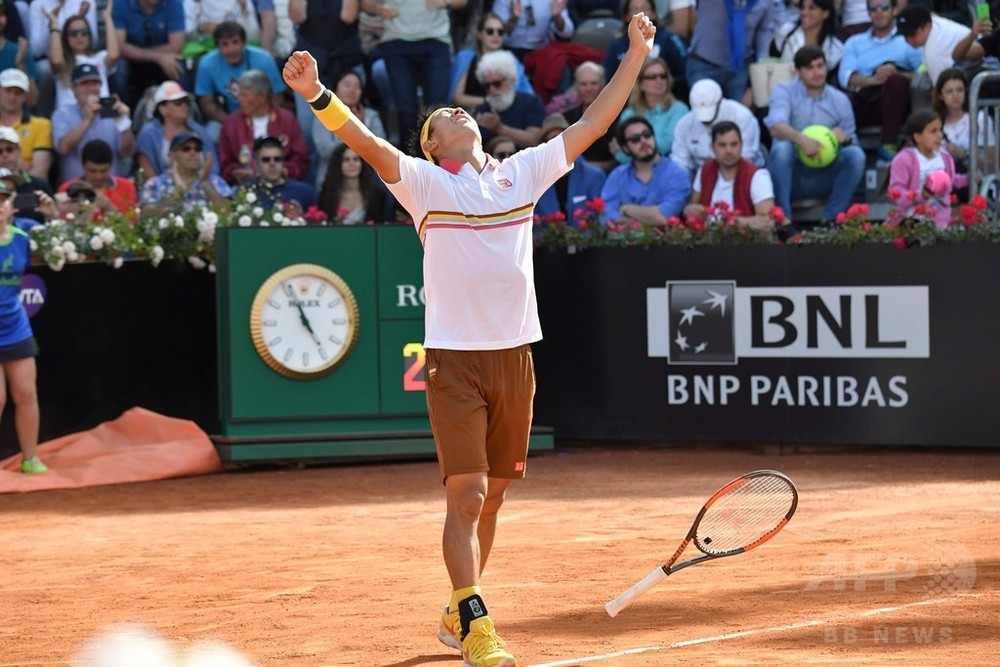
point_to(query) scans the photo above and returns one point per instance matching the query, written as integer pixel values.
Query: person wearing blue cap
(189, 181)
(75, 126)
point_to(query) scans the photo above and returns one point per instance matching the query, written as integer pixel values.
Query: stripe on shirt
(477, 223)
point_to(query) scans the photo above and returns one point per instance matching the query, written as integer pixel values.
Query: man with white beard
(506, 111)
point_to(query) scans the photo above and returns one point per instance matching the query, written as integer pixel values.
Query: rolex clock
(304, 321)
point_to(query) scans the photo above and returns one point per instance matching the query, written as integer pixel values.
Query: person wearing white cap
(693, 135)
(73, 127)
(21, 180)
(17, 54)
(171, 116)
(35, 132)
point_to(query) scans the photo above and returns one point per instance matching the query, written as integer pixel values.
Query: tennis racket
(742, 515)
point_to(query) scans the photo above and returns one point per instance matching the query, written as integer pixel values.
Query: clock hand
(302, 315)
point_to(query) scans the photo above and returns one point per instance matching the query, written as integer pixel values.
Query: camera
(25, 201)
(107, 107)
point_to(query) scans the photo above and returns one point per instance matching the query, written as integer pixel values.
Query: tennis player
(476, 229)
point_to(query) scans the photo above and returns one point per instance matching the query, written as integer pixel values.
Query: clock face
(304, 321)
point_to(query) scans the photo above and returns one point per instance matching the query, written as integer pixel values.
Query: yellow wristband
(334, 115)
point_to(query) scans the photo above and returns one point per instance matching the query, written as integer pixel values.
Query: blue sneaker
(885, 155)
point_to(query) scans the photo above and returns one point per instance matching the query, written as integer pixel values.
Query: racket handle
(625, 599)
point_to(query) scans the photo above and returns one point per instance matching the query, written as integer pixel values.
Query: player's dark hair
(723, 127)
(413, 144)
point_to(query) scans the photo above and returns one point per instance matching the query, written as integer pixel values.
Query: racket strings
(745, 514)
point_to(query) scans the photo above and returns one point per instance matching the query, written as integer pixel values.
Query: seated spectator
(150, 36)
(272, 185)
(353, 191)
(589, 81)
(923, 173)
(17, 55)
(582, 184)
(501, 147)
(35, 132)
(110, 192)
(46, 22)
(952, 104)
(815, 25)
(854, 17)
(506, 111)
(650, 189)
(666, 46)
(466, 90)
(725, 42)
(795, 105)
(258, 117)
(692, 136)
(74, 126)
(74, 45)
(171, 116)
(350, 89)
(203, 17)
(531, 25)
(218, 72)
(651, 98)
(20, 179)
(730, 179)
(876, 69)
(945, 42)
(189, 181)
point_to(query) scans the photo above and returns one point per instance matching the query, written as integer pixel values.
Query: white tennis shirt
(476, 229)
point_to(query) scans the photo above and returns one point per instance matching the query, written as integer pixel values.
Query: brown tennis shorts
(480, 405)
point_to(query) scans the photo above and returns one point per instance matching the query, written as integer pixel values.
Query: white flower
(69, 246)
(265, 223)
(96, 242)
(73, 256)
(119, 261)
(34, 245)
(58, 251)
(244, 221)
(156, 255)
(197, 262)
(57, 266)
(163, 222)
(278, 216)
(211, 268)
(69, 216)
(178, 221)
(211, 218)
(258, 212)
(251, 197)
(107, 236)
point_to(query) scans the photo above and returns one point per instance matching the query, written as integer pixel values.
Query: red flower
(582, 224)
(797, 238)
(895, 195)
(674, 221)
(899, 242)
(979, 203)
(969, 215)
(841, 217)
(867, 227)
(778, 215)
(596, 204)
(315, 214)
(636, 226)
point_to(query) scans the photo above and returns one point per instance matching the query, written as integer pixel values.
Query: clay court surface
(893, 558)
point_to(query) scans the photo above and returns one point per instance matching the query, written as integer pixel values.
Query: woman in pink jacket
(912, 173)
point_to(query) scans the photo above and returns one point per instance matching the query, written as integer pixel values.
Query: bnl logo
(718, 322)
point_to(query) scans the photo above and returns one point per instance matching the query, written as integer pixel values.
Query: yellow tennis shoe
(33, 466)
(450, 629)
(483, 648)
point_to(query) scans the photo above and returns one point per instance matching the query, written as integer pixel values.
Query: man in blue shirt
(150, 36)
(876, 69)
(506, 111)
(651, 188)
(219, 71)
(795, 105)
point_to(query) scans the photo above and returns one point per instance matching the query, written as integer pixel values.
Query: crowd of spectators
(184, 98)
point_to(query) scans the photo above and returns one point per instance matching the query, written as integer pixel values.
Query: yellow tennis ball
(828, 145)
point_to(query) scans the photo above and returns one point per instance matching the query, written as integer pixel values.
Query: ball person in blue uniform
(17, 342)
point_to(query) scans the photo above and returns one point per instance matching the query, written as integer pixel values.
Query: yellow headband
(425, 132)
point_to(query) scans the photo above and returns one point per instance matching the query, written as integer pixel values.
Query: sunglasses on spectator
(636, 138)
(885, 6)
(83, 32)
(268, 159)
(494, 32)
(490, 85)
(660, 76)
(180, 102)
(188, 148)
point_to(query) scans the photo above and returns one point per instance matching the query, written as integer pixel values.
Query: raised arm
(604, 111)
(301, 75)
